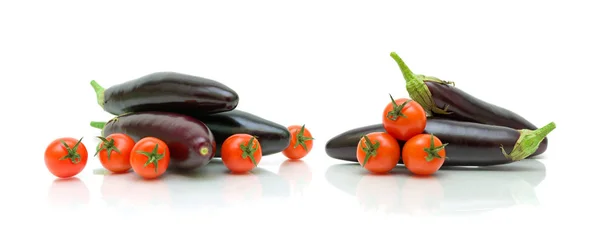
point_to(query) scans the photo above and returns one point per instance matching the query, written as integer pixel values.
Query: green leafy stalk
(249, 149)
(301, 139)
(528, 142)
(153, 157)
(396, 111)
(432, 151)
(72, 154)
(370, 149)
(417, 90)
(99, 93)
(109, 145)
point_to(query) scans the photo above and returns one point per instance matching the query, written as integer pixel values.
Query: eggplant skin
(465, 107)
(469, 144)
(170, 92)
(273, 137)
(185, 136)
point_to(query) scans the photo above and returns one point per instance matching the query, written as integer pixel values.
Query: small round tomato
(424, 154)
(241, 153)
(65, 157)
(114, 152)
(378, 152)
(300, 136)
(150, 157)
(404, 118)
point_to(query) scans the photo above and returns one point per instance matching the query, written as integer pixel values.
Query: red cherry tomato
(301, 142)
(65, 157)
(114, 152)
(424, 154)
(150, 157)
(241, 153)
(404, 118)
(378, 152)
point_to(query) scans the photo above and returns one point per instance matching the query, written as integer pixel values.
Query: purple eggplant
(469, 144)
(442, 99)
(190, 141)
(167, 92)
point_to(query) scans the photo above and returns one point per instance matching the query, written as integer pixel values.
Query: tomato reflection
(71, 192)
(297, 173)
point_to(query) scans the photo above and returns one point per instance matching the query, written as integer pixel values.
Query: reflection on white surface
(450, 191)
(297, 173)
(68, 193)
(212, 186)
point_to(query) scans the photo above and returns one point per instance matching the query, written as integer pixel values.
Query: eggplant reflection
(450, 191)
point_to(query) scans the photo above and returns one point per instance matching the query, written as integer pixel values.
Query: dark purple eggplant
(441, 98)
(191, 143)
(167, 92)
(469, 144)
(273, 137)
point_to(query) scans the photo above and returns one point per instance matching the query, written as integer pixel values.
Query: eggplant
(167, 92)
(273, 137)
(469, 143)
(443, 99)
(191, 143)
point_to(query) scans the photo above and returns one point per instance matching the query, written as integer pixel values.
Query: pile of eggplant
(478, 133)
(189, 113)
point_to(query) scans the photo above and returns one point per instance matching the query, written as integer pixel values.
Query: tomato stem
(417, 90)
(370, 149)
(433, 151)
(72, 153)
(249, 149)
(396, 112)
(301, 139)
(99, 93)
(109, 145)
(528, 142)
(153, 157)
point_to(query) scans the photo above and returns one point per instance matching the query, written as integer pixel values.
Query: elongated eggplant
(469, 144)
(167, 92)
(273, 137)
(191, 143)
(443, 99)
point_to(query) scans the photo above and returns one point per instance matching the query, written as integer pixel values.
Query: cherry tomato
(301, 142)
(424, 154)
(241, 153)
(114, 152)
(66, 157)
(150, 157)
(378, 152)
(404, 118)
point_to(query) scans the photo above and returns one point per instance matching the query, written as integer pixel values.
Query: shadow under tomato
(69, 193)
(448, 192)
(208, 187)
(297, 173)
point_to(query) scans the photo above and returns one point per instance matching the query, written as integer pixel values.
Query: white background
(322, 63)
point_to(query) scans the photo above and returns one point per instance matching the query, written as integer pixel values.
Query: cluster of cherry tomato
(403, 120)
(150, 156)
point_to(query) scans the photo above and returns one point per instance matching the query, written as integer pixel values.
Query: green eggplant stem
(528, 142)
(98, 125)
(99, 93)
(416, 88)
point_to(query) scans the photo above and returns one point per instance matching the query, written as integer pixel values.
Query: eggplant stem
(98, 125)
(99, 93)
(528, 142)
(416, 88)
